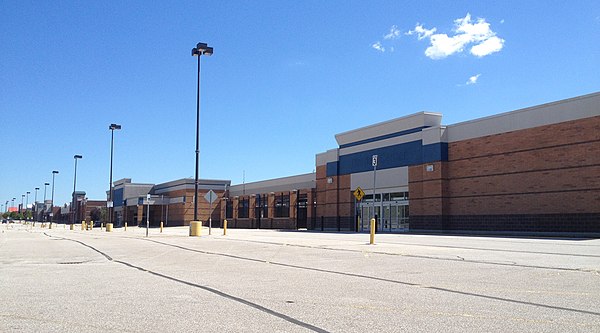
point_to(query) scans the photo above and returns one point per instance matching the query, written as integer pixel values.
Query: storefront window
(282, 205)
(243, 208)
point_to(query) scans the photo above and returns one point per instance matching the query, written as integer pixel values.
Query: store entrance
(392, 212)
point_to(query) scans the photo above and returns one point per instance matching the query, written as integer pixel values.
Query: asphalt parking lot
(273, 281)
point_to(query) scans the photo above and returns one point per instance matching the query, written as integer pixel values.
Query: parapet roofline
(185, 181)
(291, 179)
(412, 121)
(529, 108)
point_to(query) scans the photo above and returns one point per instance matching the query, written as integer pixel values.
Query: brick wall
(525, 180)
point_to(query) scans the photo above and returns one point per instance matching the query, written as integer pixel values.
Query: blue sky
(285, 77)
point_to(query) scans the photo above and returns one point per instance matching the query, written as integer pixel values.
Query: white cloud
(377, 46)
(478, 34)
(489, 46)
(421, 32)
(393, 34)
(473, 79)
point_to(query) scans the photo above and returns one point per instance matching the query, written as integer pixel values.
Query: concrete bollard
(101, 225)
(161, 227)
(125, 226)
(109, 227)
(195, 228)
(224, 227)
(372, 238)
(71, 227)
(50, 226)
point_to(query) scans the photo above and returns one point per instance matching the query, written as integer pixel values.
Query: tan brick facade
(546, 170)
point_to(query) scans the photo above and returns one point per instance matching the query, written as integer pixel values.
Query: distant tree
(104, 214)
(96, 214)
(99, 214)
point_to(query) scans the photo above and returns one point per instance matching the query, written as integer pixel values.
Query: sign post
(374, 162)
(358, 195)
(147, 214)
(211, 197)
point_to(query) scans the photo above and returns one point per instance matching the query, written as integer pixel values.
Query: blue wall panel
(404, 154)
(388, 157)
(118, 197)
(435, 152)
(383, 137)
(332, 169)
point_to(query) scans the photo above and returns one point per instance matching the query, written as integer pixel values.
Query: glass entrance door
(394, 218)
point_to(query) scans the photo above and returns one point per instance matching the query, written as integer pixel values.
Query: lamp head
(202, 49)
(77, 156)
(114, 127)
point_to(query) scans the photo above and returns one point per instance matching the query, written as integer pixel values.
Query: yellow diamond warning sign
(358, 193)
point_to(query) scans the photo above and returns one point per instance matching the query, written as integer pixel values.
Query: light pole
(22, 198)
(200, 50)
(35, 204)
(45, 207)
(26, 203)
(51, 215)
(13, 203)
(76, 157)
(112, 129)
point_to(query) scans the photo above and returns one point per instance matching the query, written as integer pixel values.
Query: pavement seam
(205, 288)
(383, 280)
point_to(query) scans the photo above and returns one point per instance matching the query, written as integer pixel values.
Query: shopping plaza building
(531, 170)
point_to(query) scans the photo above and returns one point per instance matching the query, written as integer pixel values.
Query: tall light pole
(76, 157)
(52, 200)
(112, 129)
(22, 198)
(200, 50)
(27, 200)
(35, 204)
(26, 203)
(13, 203)
(45, 207)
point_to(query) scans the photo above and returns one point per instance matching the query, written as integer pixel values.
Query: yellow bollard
(125, 226)
(50, 226)
(91, 225)
(195, 228)
(71, 226)
(372, 239)
(109, 227)
(82, 225)
(224, 227)
(161, 227)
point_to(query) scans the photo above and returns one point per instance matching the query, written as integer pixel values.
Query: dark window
(261, 206)
(282, 205)
(243, 208)
(229, 209)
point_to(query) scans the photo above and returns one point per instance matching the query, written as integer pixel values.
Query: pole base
(195, 228)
